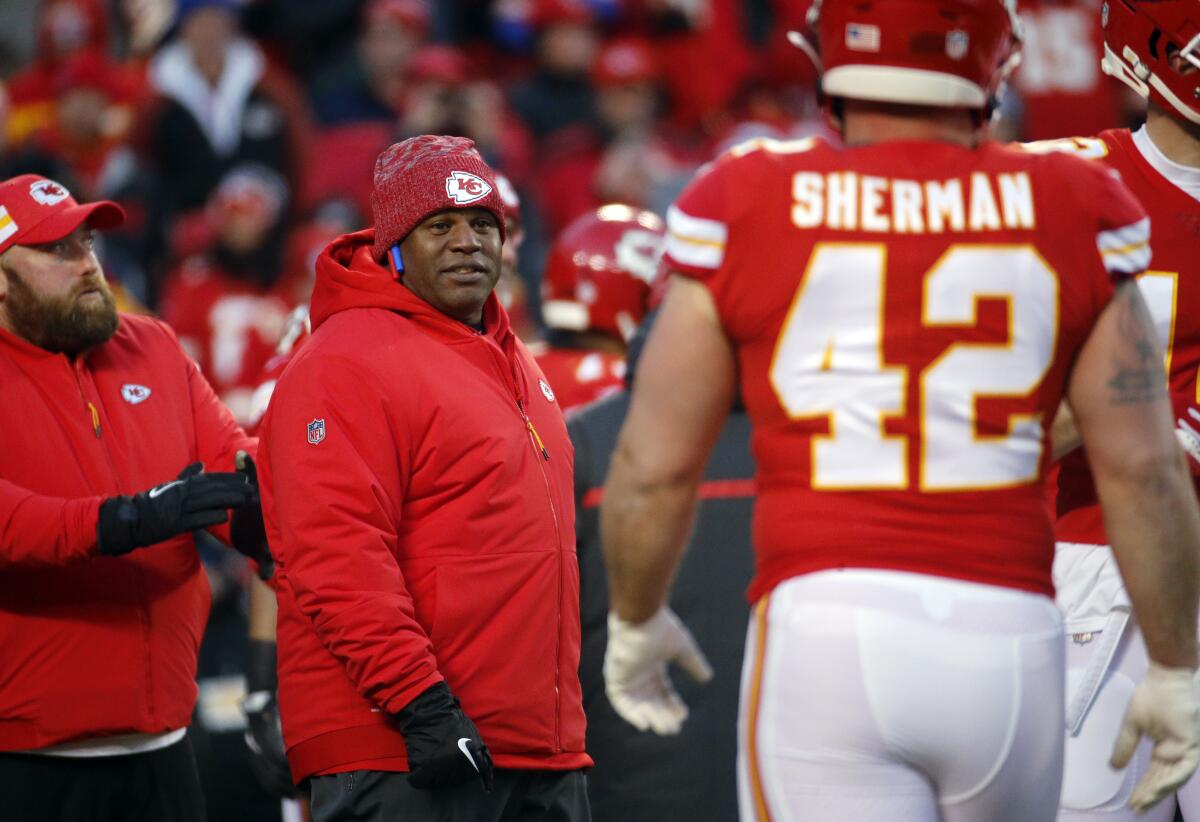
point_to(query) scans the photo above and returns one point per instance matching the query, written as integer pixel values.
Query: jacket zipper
(94, 413)
(539, 447)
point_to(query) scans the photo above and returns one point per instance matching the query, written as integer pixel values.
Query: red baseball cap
(34, 209)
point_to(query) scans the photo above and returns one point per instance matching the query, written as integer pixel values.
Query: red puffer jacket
(94, 646)
(417, 492)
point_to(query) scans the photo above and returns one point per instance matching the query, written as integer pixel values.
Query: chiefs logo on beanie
(424, 175)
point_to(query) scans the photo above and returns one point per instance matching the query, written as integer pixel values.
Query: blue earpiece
(397, 261)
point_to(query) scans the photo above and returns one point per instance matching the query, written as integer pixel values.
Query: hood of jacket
(349, 277)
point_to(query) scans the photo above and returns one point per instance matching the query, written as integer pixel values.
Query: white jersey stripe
(1120, 238)
(694, 254)
(696, 229)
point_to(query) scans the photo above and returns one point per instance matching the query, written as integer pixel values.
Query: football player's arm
(681, 397)
(1118, 396)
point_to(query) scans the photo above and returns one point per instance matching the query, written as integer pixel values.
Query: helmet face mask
(599, 272)
(942, 53)
(1147, 42)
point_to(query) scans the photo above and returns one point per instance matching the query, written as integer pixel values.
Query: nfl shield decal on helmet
(547, 391)
(957, 44)
(464, 187)
(316, 431)
(134, 394)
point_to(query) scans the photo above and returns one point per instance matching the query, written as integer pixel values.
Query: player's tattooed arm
(1137, 374)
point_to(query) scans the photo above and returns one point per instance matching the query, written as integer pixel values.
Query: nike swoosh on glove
(635, 670)
(195, 499)
(444, 747)
(1166, 707)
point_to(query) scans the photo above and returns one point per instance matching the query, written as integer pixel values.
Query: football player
(903, 317)
(595, 292)
(1154, 47)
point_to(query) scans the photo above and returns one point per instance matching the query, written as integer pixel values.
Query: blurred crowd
(240, 138)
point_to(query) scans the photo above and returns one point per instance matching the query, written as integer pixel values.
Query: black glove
(247, 533)
(264, 735)
(194, 500)
(444, 748)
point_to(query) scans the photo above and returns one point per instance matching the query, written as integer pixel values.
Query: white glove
(1166, 707)
(635, 670)
(1189, 436)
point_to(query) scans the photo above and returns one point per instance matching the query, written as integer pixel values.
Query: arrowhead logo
(464, 187)
(134, 394)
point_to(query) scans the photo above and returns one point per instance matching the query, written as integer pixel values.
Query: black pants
(518, 796)
(158, 786)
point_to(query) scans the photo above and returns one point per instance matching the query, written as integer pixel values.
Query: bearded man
(97, 678)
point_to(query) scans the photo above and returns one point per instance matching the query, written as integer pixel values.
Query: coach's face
(54, 294)
(452, 261)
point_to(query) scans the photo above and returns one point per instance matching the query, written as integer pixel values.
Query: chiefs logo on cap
(48, 192)
(464, 188)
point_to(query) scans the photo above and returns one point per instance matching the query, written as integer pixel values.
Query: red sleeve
(42, 530)
(698, 224)
(218, 436)
(1123, 230)
(332, 507)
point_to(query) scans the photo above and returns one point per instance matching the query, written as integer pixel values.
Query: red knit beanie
(424, 175)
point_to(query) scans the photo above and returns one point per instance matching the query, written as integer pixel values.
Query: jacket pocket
(495, 636)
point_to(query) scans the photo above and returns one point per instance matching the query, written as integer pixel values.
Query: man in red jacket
(97, 673)
(417, 487)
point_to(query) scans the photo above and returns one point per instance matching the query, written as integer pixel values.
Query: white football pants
(878, 695)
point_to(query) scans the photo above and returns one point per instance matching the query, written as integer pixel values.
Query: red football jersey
(904, 316)
(579, 376)
(1171, 286)
(229, 326)
(296, 332)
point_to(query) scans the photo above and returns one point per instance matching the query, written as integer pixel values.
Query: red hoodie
(417, 490)
(94, 646)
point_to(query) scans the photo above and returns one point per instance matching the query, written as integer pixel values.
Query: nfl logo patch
(316, 431)
(957, 43)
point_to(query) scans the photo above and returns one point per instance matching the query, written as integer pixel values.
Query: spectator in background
(370, 87)
(90, 124)
(443, 97)
(622, 156)
(595, 292)
(64, 28)
(220, 104)
(642, 777)
(229, 303)
(559, 93)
